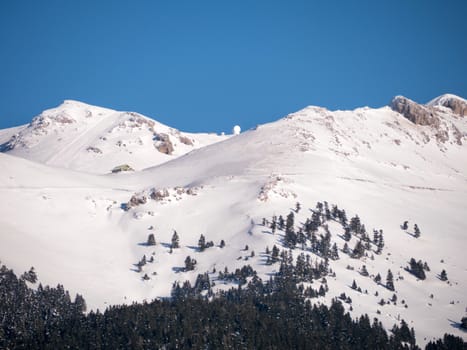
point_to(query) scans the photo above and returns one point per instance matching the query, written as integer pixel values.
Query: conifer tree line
(259, 316)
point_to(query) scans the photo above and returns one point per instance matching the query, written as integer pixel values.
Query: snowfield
(78, 225)
(92, 139)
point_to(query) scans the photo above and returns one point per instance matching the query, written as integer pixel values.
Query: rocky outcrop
(163, 145)
(94, 149)
(159, 194)
(185, 140)
(417, 114)
(123, 167)
(457, 105)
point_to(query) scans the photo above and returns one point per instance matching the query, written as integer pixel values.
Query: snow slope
(370, 162)
(87, 138)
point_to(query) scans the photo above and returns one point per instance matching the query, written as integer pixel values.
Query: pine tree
(343, 218)
(345, 249)
(319, 206)
(189, 263)
(297, 207)
(416, 230)
(275, 254)
(390, 281)
(334, 252)
(175, 240)
(364, 271)
(443, 276)
(202, 243)
(354, 285)
(375, 237)
(80, 303)
(281, 222)
(347, 234)
(355, 224)
(290, 235)
(151, 240)
(464, 323)
(405, 225)
(416, 268)
(380, 244)
(289, 224)
(30, 276)
(378, 278)
(222, 244)
(358, 251)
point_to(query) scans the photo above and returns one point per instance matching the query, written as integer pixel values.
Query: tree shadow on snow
(457, 325)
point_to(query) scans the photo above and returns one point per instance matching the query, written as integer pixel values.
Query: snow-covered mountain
(404, 162)
(87, 138)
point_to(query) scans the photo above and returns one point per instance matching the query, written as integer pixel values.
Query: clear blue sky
(206, 65)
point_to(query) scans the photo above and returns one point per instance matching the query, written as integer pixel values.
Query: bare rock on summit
(457, 105)
(417, 114)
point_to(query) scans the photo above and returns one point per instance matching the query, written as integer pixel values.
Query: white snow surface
(439, 101)
(375, 163)
(93, 139)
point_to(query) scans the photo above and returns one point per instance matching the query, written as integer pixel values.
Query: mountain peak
(416, 113)
(456, 104)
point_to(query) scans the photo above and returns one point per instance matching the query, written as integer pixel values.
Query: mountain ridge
(87, 138)
(374, 163)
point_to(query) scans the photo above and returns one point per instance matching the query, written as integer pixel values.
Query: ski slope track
(77, 224)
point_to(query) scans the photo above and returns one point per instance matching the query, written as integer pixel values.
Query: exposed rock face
(164, 145)
(185, 140)
(458, 106)
(159, 194)
(137, 200)
(414, 112)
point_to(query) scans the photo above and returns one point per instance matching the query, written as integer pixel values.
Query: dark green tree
(464, 322)
(202, 243)
(416, 268)
(345, 249)
(405, 225)
(189, 263)
(151, 239)
(390, 281)
(297, 207)
(175, 240)
(347, 234)
(334, 252)
(416, 231)
(358, 251)
(30, 275)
